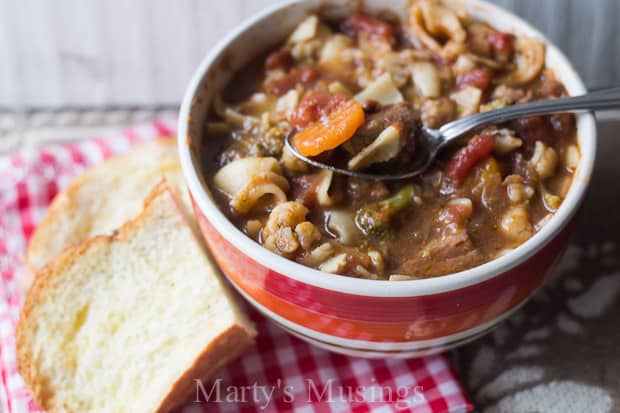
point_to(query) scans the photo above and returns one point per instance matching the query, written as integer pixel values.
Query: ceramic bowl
(366, 317)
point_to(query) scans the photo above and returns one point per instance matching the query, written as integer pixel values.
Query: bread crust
(220, 350)
(67, 200)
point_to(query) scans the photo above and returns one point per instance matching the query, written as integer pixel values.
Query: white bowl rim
(382, 288)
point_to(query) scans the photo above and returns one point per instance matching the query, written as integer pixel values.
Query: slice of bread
(127, 322)
(101, 199)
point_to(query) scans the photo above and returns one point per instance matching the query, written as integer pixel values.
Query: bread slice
(101, 199)
(125, 323)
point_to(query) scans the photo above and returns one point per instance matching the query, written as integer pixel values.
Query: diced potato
(382, 90)
(334, 46)
(467, 100)
(288, 102)
(426, 79)
(463, 64)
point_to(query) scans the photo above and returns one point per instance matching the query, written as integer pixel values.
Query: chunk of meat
(370, 25)
(563, 124)
(465, 159)
(448, 246)
(534, 129)
(399, 113)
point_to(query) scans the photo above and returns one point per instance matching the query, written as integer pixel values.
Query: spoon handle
(598, 100)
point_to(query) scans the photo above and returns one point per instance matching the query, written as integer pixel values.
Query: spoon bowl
(432, 141)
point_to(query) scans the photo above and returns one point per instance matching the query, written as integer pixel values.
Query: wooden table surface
(142, 52)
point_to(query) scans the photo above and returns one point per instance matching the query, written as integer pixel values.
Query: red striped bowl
(365, 317)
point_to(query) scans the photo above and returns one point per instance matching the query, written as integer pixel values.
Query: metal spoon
(431, 141)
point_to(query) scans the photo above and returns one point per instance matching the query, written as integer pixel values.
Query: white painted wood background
(142, 52)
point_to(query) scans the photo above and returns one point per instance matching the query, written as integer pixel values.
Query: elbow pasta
(430, 20)
(249, 180)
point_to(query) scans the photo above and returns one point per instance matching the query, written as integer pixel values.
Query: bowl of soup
(375, 268)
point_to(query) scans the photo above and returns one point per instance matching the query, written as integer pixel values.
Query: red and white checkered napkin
(282, 373)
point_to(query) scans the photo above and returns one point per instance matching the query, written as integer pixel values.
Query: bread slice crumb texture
(101, 199)
(124, 323)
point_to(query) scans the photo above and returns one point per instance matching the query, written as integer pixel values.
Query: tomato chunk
(501, 42)
(303, 75)
(480, 78)
(365, 23)
(465, 159)
(314, 106)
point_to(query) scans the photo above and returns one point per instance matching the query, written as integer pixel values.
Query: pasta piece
(506, 141)
(307, 234)
(382, 90)
(529, 61)
(247, 181)
(397, 64)
(572, 157)
(397, 277)
(515, 224)
(318, 255)
(341, 224)
(232, 116)
(430, 21)
(544, 160)
(306, 30)
(426, 79)
(385, 147)
(323, 197)
(293, 164)
(517, 191)
(334, 265)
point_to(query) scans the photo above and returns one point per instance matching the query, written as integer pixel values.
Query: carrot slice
(330, 131)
